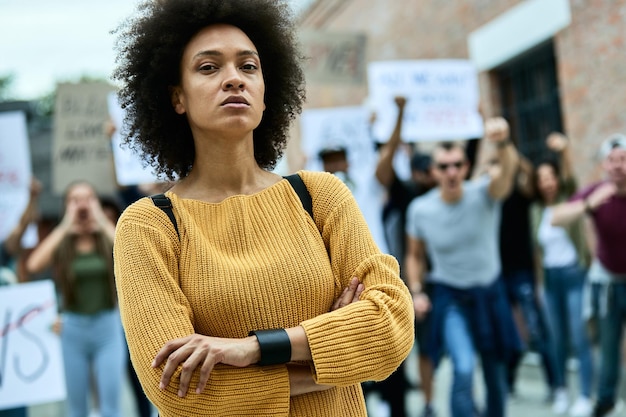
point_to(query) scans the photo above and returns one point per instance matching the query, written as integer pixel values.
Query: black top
(400, 195)
(515, 234)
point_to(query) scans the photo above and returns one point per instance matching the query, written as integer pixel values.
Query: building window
(530, 99)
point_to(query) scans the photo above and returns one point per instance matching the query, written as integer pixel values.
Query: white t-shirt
(558, 249)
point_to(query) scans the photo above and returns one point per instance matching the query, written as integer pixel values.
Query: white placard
(31, 364)
(129, 168)
(15, 169)
(336, 127)
(347, 127)
(442, 99)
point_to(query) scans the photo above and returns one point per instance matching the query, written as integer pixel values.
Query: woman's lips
(236, 101)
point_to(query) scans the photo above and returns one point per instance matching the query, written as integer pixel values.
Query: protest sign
(334, 57)
(15, 169)
(81, 147)
(442, 99)
(31, 364)
(336, 127)
(129, 168)
(347, 127)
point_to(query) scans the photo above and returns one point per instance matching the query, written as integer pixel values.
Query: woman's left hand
(201, 352)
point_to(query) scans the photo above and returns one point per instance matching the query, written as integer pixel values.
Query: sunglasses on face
(444, 167)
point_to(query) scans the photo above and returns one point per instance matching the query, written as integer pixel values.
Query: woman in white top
(563, 256)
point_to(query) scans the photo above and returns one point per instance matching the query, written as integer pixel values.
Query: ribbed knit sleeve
(154, 310)
(369, 339)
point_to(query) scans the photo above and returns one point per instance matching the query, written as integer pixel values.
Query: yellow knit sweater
(258, 262)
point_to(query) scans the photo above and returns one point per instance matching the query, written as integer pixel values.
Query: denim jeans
(611, 332)
(564, 297)
(93, 342)
(459, 346)
(521, 292)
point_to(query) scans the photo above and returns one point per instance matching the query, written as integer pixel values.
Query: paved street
(529, 401)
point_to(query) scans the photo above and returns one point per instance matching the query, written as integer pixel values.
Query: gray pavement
(530, 400)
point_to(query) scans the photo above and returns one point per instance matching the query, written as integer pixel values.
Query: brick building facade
(579, 44)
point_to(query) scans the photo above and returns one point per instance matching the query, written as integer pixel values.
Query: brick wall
(591, 56)
(591, 59)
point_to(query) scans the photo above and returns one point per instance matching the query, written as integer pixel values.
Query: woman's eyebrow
(212, 52)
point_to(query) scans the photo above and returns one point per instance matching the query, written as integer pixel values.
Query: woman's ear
(176, 98)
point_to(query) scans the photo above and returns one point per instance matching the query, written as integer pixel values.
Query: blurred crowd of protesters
(77, 254)
(483, 239)
(553, 263)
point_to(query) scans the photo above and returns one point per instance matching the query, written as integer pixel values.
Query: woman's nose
(232, 79)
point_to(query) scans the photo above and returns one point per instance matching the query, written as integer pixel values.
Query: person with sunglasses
(456, 224)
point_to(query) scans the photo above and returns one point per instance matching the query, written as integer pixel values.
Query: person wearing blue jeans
(475, 320)
(611, 333)
(610, 313)
(564, 296)
(563, 254)
(518, 276)
(80, 250)
(521, 292)
(604, 204)
(93, 340)
(455, 225)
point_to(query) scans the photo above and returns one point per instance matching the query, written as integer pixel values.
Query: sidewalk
(529, 400)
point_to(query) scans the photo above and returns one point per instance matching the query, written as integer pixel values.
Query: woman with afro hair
(242, 303)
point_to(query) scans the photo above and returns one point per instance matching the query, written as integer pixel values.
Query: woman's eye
(249, 67)
(207, 67)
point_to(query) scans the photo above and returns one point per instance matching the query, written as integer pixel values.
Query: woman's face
(547, 182)
(222, 88)
(79, 199)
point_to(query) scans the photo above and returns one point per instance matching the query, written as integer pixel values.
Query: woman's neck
(85, 243)
(220, 172)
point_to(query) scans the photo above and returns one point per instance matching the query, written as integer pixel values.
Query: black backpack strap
(164, 203)
(300, 188)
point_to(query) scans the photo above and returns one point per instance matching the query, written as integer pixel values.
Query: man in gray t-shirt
(457, 225)
(461, 237)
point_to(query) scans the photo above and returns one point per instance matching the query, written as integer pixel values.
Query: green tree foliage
(5, 86)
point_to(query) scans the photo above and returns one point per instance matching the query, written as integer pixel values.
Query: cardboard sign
(31, 364)
(15, 169)
(442, 99)
(81, 147)
(334, 58)
(129, 168)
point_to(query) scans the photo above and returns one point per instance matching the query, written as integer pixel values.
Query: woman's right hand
(556, 142)
(300, 376)
(349, 295)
